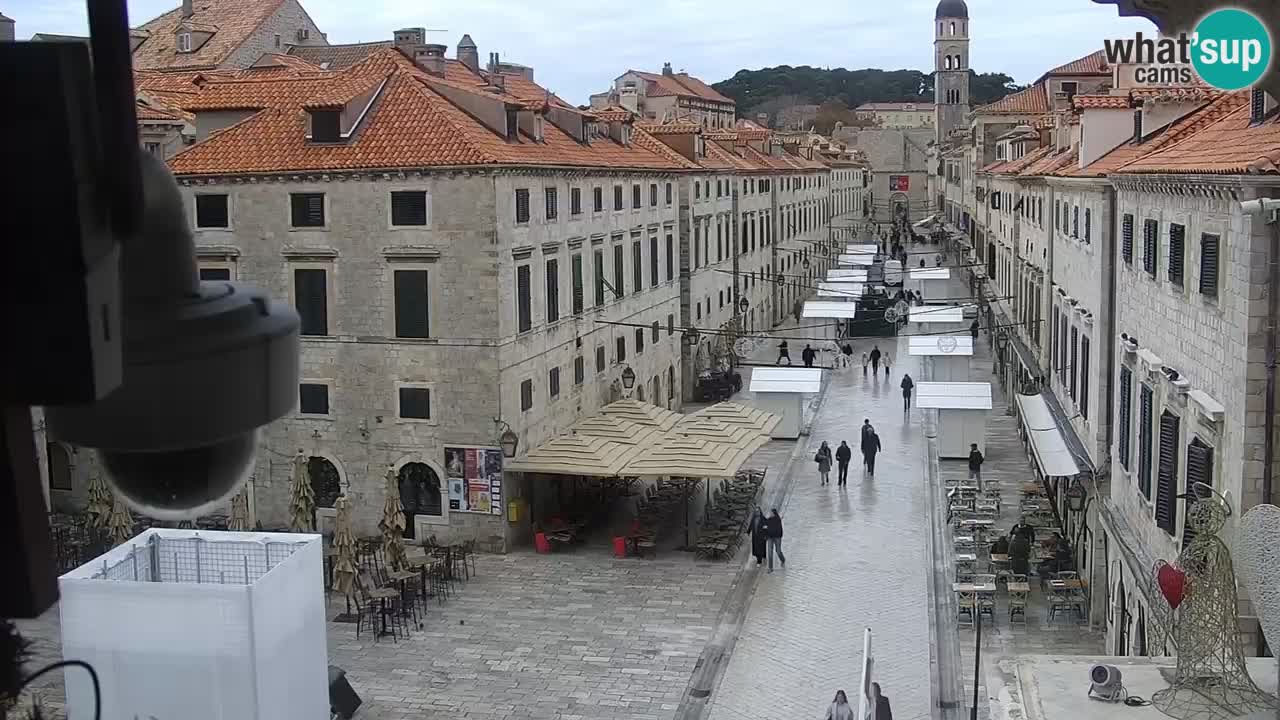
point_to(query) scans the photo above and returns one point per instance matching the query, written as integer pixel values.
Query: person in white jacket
(840, 708)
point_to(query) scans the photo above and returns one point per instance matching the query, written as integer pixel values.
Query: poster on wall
(475, 479)
(899, 183)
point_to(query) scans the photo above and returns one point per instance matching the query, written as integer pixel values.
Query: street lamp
(744, 303)
(508, 440)
(1076, 495)
(628, 378)
(805, 262)
(691, 336)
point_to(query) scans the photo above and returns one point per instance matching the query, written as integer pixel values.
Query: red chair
(541, 543)
(620, 547)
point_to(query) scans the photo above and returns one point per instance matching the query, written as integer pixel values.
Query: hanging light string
(789, 337)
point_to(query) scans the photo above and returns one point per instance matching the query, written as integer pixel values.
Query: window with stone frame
(575, 201)
(618, 270)
(617, 198)
(1124, 400)
(213, 210)
(654, 261)
(313, 398)
(597, 199)
(637, 264)
(1150, 245)
(1088, 226)
(1126, 239)
(552, 197)
(653, 194)
(669, 193)
(601, 363)
(671, 257)
(671, 324)
(1177, 253)
(1146, 417)
(635, 196)
(621, 349)
(412, 304)
(306, 210)
(526, 396)
(597, 277)
(639, 346)
(1199, 472)
(553, 383)
(524, 299)
(578, 287)
(1075, 346)
(1209, 267)
(522, 205)
(553, 290)
(415, 403)
(579, 370)
(409, 208)
(1083, 400)
(311, 300)
(1166, 512)
(657, 331)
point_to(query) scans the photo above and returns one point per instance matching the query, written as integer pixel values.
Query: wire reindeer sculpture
(1198, 619)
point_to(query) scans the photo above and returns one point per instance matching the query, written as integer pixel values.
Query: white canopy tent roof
(925, 222)
(830, 309)
(953, 395)
(847, 275)
(785, 380)
(857, 259)
(942, 345)
(846, 290)
(933, 273)
(1046, 438)
(861, 248)
(936, 314)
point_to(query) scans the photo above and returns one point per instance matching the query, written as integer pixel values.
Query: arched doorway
(657, 390)
(59, 467)
(640, 392)
(420, 494)
(326, 483)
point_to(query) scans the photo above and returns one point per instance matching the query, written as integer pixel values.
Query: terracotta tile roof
(1014, 166)
(1176, 94)
(678, 127)
(1226, 145)
(232, 21)
(1052, 163)
(336, 57)
(1032, 100)
(157, 113)
(640, 137)
(1095, 63)
(409, 125)
(613, 114)
(277, 62)
(1175, 131)
(1117, 102)
(679, 84)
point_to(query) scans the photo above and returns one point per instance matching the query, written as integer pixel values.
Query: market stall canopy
(857, 275)
(925, 223)
(862, 248)
(785, 380)
(611, 427)
(641, 413)
(936, 314)
(675, 456)
(847, 290)
(1046, 437)
(731, 413)
(704, 428)
(830, 309)
(958, 345)
(576, 455)
(860, 259)
(953, 395)
(933, 273)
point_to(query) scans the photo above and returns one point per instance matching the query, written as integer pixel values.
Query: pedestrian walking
(865, 362)
(847, 351)
(840, 708)
(921, 262)
(875, 359)
(823, 458)
(975, 464)
(907, 385)
(973, 330)
(883, 711)
(870, 446)
(783, 353)
(843, 455)
(773, 531)
(807, 355)
(867, 427)
(758, 538)
(937, 260)
(888, 360)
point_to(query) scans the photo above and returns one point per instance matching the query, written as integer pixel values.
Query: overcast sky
(577, 47)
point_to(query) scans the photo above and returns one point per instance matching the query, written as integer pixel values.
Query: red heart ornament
(1172, 584)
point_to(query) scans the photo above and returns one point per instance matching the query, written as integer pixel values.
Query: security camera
(1261, 206)
(205, 365)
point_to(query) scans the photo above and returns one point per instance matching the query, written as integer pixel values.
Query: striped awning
(731, 413)
(641, 413)
(676, 456)
(577, 455)
(613, 428)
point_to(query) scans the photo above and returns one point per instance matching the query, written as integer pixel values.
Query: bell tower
(951, 66)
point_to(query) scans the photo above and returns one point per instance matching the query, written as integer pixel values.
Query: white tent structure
(836, 310)
(858, 275)
(929, 282)
(1045, 438)
(839, 290)
(862, 248)
(781, 391)
(857, 259)
(948, 355)
(937, 318)
(962, 408)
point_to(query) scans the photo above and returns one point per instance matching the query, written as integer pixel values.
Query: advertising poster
(899, 183)
(475, 479)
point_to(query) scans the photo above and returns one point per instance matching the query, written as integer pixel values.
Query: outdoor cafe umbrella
(100, 501)
(302, 500)
(392, 524)
(120, 523)
(239, 520)
(344, 546)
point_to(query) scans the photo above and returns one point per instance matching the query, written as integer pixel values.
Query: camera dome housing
(205, 365)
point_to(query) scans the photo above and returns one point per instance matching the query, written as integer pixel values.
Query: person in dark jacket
(883, 711)
(975, 464)
(1022, 528)
(783, 353)
(973, 329)
(907, 385)
(807, 355)
(823, 458)
(773, 531)
(870, 446)
(843, 455)
(1019, 554)
(758, 538)
(848, 354)
(867, 427)
(875, 359)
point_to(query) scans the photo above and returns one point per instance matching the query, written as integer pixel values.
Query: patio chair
(387, 607)
(967, 604)
(1018, 606)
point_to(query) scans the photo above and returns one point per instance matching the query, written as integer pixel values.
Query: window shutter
(1209, 264)
(653, 260)
(657, 330)
(1088, 225)
(553, 203)
(522, 206)
(1144, 440)
(1167, 474)
(600, 361)
(553, 290)
(1083, 400)
(409, 207)
(1053, 341)
(671, 259)
(1177, 241)
(415, 403)
(575, 201)
(1199, 470)
(526, 395)
(1257, 105)
(553, 382)
(313, 399)
(577, 284)
(637, 266)
(311, 298)
(579, 370)
(1126, 239)
(1150, 238)
(1073, 369)
(412, 316)
(307, 209)
(1126, 402)
(639, 340)
(1075, 221)
(524, 314)
(671, 324)
(621, 348)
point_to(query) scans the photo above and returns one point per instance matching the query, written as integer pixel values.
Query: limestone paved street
(855, 558)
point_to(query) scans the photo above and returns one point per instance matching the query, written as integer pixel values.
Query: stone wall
(285, 22)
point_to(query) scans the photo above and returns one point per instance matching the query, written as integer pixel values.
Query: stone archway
(59, 467)
(421, 493)
(326, 481)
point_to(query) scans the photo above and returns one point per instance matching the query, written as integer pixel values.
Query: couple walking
(870, 446)
(766, 537)
(841, 709)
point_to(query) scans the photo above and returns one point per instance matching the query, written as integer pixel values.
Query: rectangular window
(697, 190)
(621, 348)
(1126, 402)
(412, 304)
(697, 244)
(1145, 411)
(635, 196)
(215, 274)
(671, 324)
(669, 193)
(1075, 338)
(1209, 264)
(1177, 247)
(409, 208)
(1150, 241)
(415, 403)
(618, 273)
(311, 298)
(553, 290)
(524, 301)
(1199, 471)
(617, 197)
(600, 361)
(1083, 400)
(553, 383)
(313, 399)
(597, 199)
(526, 396)
(553, 202)
(1075, 222)
(522, 205)
(1167, 474)
(639, 340)
(579, 370)
(671, 258)
(637, 266)
(653, 194)
(1063, 367)
(1053, 341)
(306, 209)
(653, 261)
(576, 268)
(1126, 239)
(597, 267)
(212, 211)
(657, 331)
(575, 201)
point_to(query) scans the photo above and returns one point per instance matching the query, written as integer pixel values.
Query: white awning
(830, 309)
(936, 314)
(847, 275)
(934, 273)
(785, 380)
(925, 222)
(940, 345)
(846, 290)
(953, 395)
(862, 248)
(857, 259)
(1045, 437)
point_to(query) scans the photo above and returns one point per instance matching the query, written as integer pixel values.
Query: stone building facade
(222, 34)
(668, 96)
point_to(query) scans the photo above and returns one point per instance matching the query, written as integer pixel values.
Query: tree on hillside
(834, 111)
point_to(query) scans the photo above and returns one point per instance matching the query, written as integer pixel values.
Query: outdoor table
(966, 557)
(1000, 558)
(970, 587)
(977, 523)
(1066, 585)
(1031, 489)
(962, 539)
(1022, 587)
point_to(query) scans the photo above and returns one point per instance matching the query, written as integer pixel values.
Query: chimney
(762, 119)
(6, 28)
(406, 38)
(666, 68)
(493, 62)
(468, 53)
(430, 57)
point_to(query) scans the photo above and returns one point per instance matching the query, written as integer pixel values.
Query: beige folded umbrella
(239, 520)
(120, 523)
(615, 429)
(302, 499)
(392, 523)
(101, 501)
(344, 545)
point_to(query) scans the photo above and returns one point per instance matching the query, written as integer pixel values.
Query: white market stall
(937, 319)
(199, 625)
(962, 408)
(839, 290)
(857, 259)
(949, 355)
(838, 310)
(781, 391)
(929, 282)
(862, 248)
(858, 275)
